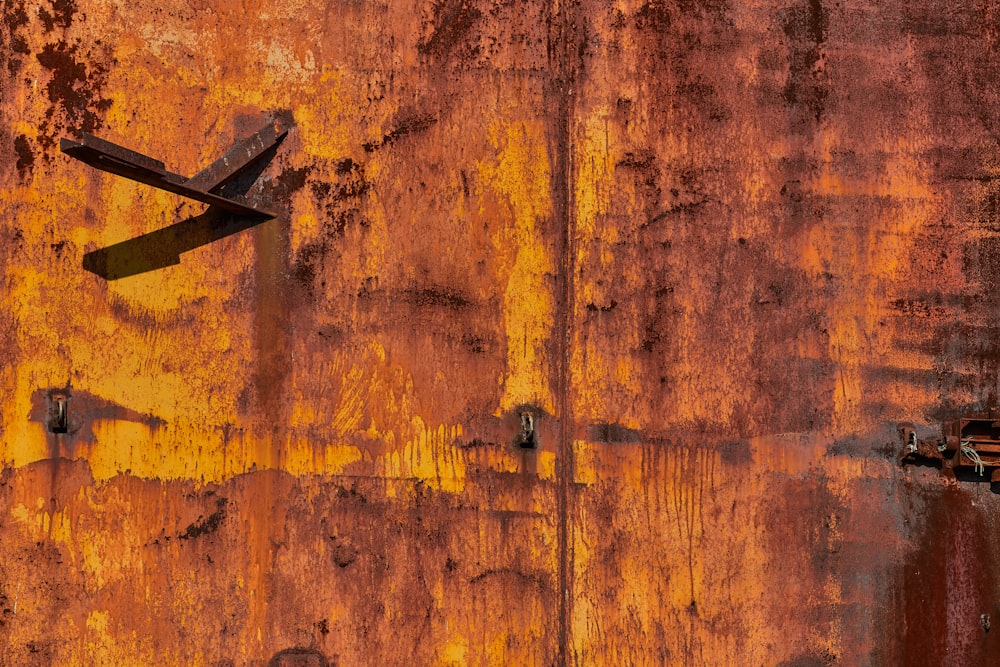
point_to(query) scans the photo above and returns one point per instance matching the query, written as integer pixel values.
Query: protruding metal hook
(58, 413)
(526, 438)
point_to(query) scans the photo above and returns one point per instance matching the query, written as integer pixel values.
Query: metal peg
(59, 412)
(526, 438)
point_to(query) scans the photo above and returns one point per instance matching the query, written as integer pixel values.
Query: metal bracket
(205, 186)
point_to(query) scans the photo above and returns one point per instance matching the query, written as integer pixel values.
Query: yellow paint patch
(521, 175)
(97, 621)
(453, 651)
(584, 462)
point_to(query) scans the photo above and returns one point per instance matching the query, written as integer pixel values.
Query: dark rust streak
(452, 21)
(532, 579)
(563, 50)
(272, 315)
(947, 583)
(207, 525)
(408, 124)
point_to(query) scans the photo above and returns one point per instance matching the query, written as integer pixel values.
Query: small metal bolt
(984, 620)
(526, 438)
(58, 412)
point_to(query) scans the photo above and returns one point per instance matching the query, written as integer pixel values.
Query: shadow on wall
(299, 657)
(162, 248)
(292, 657)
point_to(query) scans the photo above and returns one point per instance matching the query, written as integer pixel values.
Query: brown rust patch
(58, 15)
(14, 19)
(74, 90)
(25, 156)
(207, 525)
(299, 657)
(948, 582)
(805, 26)
(406, 122)
(452, 21)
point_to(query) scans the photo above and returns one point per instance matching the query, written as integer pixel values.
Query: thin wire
(973, 456)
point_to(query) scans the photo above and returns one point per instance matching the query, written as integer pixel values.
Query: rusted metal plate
(776, 239)
(715, 252)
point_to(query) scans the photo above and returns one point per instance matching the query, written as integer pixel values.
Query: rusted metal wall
(718, 250)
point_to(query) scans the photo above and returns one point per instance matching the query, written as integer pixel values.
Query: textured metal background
(717, 249)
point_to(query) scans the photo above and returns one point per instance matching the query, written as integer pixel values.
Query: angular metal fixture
(205, 186)
(967, 447)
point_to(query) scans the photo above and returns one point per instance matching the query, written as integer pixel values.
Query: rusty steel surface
(581, 335)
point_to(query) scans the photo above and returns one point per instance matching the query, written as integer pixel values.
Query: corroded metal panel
(702, 256)
(782, 249)
(297, 437)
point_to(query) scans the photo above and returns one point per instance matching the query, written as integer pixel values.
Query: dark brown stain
(60, 16)
(300, 657)
(406, 123)
(805, 26)
(539, 581)
(611, 433)
(810, 661)
(308, 260)
(603, 308)
(445, 297)
(453, 20)
(130, 313)
(342, 202)
(654, 16)
(14, 18)
(735, 453)
(352, 186)
(74, 91)
(207, 525)
(343, 552)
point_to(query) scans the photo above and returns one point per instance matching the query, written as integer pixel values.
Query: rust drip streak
(562, 40)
